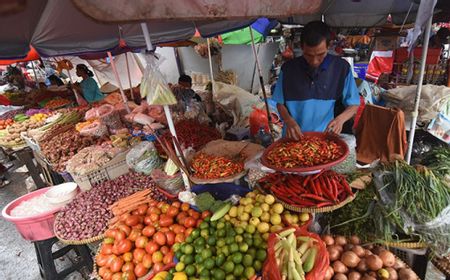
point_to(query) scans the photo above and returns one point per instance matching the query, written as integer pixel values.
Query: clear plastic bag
(143, 158)
(154, 87)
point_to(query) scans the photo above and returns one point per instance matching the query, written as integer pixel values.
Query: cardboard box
(386, 43)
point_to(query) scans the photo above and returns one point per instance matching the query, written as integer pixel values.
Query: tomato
(111, 233)
(176, 204)
(177, 228)
(101, 259)
(135, 233)
(181, 217)
(108, 240)
(179, 238)
(116, 265)
(151, 247)
(138, 254)
(153, 203)
(107, 275)
(148, 231)
(120, 235)
(189, 222)
(115, 249)
(164, 229)
(160, 204)
(172, 211)
(170, 237)
(128, 266)
(127, 257)
(199, 221)
(125, 229)
(141, 242)
(134, 212)
(124, 246)
(160, 238)
(138, 226)
(185, 207)
(206, 214)
(102, 270)
(117, 276)
(157, 257)
(154, 210)
(164, 250)
(165, 220)
(128, 275)
(110, 260)
(140, 270)
(106, 249)
(154, 217)
(142, 209)
(132, 220)
(157, 267)
(148, 220)
(168, 258)
(188, 231)
(147, 261)
(194, 214)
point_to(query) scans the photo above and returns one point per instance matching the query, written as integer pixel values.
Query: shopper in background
(316, 91)
(91, 91)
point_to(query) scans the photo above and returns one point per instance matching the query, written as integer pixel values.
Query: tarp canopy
(57, 28)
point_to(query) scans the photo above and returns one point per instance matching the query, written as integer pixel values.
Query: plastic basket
(408, 255)
(34, 228)
(111, 170)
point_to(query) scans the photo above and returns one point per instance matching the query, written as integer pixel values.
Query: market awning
(32, 55)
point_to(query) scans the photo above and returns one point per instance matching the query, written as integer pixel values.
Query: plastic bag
(173, 184)
(349, 164)
(143, 158)
(96, 129)
(271, 271)
(154, 87)
(258, 118)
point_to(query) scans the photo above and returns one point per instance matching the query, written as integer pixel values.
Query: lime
(206, 253)
(198, 258)
(238, 270)
(176, 247)
(199, 249)
(229, 240)
(179, 267)
(225, 250)
(239, 230)
(230, 277)
(261, 255)
(209, 264)
(195, 233)
(228, 267)
(257, 242)
(188, 259)
(220, 243)
(178, 254)
(200, 242)
(238, 238)
(220, 260)
(205, 274)
(249, 241)
(250, 228)
(207, 219)
(212, 231)
(211, 241)
(247, 260)
(234, 248)
(221, 232)
(169, 277)
(257, 265)
(204, 225)
(220, 225)
(252, 252)
(237, 257)
(188, 249)
(243, 247)
(190, 270)
(189, 239)
(218, 274)
(202, 278)
(249, 272)
(204, 233)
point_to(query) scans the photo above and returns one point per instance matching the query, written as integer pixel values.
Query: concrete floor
(17, 256)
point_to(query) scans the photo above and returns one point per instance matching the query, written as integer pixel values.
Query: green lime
(198, 258)
(220, 225)
(206, 253)
(229, 240)
(243, 247)
(213, 224)
(220, 243)
(205, 273)
(250, 228)
(204, 225)
(169, 277)
(257, 265)
(212, 231)
(195, 233)
(238, 238)
(199, 249)
(218, 274)
(213, 251)
(225, 250)
(247, 260)
(238, 270)
(221, 232)
(207, 219)
(190, 270)
(204, 278)
(200, 242)
(239, 230)
(228, 267)
(230, 277)
(188, 249)
(178, 254)
(189, 239)
(252, 252)
(172, 270)
(209, 264)
(188, 259)
(220, 260)
(237, 257)
(249, 242)
(204, 233)
(211, 241)
(249, 272)
(257, 242)
(234, 248)
(176, 247)
(179, 267)
(231, 232)
(261, 255)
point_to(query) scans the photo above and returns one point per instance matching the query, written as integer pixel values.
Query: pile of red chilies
(319, 190)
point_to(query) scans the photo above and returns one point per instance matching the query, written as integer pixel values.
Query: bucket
(33, 228)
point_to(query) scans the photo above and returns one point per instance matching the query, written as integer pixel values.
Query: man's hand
(292, 129)
(335, 125)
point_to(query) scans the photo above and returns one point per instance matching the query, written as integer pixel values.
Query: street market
(304, 140)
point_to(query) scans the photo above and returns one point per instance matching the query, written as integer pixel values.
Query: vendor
(316, 91)
(185, 81)
(89, 87)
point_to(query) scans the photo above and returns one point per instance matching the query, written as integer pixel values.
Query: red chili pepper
(318, 188)
(326, 188)
(313, 196)
(326, 203)
(312, 187)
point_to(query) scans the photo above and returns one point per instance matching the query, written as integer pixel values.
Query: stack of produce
(191, 133)
(144, 238)
(307, 152)
(88, 214)
(32, 112)
(215, 167)
(320, 190)
(5, 123)
(13, 137)
(349, 260)
(57, 103)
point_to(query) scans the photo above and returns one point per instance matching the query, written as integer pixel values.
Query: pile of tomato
(5, 123)
(142, 241)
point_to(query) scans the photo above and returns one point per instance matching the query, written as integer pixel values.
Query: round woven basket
(80, 242)
(406, 245)
(443, 264)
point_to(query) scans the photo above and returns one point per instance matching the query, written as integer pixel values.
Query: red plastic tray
(322, 135)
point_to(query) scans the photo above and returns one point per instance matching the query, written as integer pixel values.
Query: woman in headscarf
(89, 87)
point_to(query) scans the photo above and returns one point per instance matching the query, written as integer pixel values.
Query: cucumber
(221, 212)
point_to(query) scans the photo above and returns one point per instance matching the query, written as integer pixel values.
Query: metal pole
(35, 75)
(148, 42)
(261, 81)
(129, 75)
(211, 73)
(415, 113)
(116, 74)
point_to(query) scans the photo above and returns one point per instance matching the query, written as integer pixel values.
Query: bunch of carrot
(129, 204)
(319, 190)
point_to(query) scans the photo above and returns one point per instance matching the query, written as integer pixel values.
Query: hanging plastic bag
(258, 118)
(154, 87)
(143, 158)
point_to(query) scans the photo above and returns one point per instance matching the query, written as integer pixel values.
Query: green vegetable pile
(205, 201)
(438, 160)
